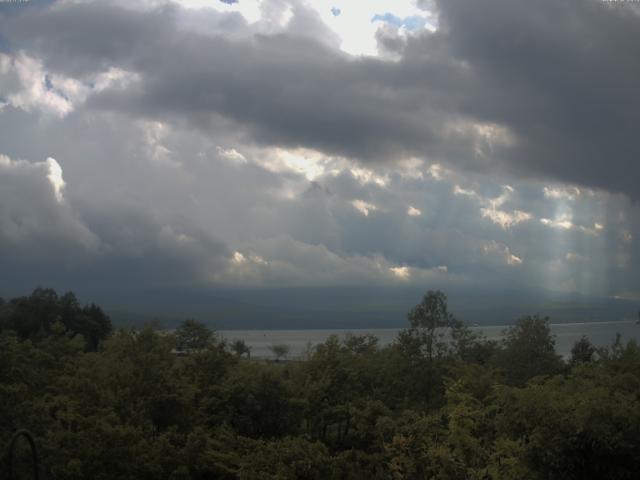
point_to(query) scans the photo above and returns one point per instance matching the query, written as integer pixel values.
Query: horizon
(334, 308)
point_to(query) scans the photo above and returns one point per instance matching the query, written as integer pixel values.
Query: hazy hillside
(353, 307)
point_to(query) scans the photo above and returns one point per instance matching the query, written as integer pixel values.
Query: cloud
(364, 207)
(197, 145)
(35, 222)
(414, 212)
(488, 65)
(284, 261)
(55, 177)
(26, 86)
(502, 252)
(411, 23)
(43, 231)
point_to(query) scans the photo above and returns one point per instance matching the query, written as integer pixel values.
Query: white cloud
(436, 171)
(302, 161)
(403, 273)
(492, 210)
(458, 190)
(562, 193)
(365, 175)
(155, 134)
(238, 258)
(503, 252)
(55, 177)
(505, 219)
(363, 207)
(413, 211)
(232, 154)
(563, 222)
(30, 87)
(514, 260)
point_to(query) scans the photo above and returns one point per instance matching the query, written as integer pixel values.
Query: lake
(566, 334)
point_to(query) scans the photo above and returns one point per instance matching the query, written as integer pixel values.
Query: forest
(440, 402)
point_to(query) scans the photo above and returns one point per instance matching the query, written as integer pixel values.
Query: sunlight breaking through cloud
(55, 177)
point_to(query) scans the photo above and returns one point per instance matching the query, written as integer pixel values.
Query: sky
(205, 145)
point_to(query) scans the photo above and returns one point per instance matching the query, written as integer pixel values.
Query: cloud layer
(169, 144)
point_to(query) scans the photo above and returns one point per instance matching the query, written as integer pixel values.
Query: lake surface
(566, 334)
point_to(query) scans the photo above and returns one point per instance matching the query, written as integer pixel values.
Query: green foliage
(583, 351)
(33, 317)
(439, 403)
(192, 336)
(288, 458)
(428, 323)
(433, 339)
(528, 350)
(256, 401)
(240, 348)
(584, 425)
(280, 350)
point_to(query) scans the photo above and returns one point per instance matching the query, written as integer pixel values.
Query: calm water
(600, 333)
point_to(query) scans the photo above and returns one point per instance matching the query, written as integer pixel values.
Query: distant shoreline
(601, 333)
(366, 329)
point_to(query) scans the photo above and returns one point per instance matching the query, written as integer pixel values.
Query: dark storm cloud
(563, 76)
(171, 178)
(282, 89)
(319, 99)
(81, 38)
(46, 235)
(34, 223)
(560, 78)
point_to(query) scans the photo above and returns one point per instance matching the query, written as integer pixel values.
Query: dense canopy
(434, 404)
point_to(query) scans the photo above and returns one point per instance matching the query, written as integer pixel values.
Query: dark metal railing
(11, 451)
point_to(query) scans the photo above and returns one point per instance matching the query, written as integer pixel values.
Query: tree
(255, 399)
(428, 323)
(239, 347)
(529, 350)
(294, 457)
(583, 351)
(361, 344)
(424, 345)
(581, 425)
(280, 350)
(193, 336)
(33, 317)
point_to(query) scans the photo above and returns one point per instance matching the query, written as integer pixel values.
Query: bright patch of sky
(355, 23)
(363, 207)
(414, 22)
(55, 177)
(403, 273)
(414, 212)
(358, 21)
